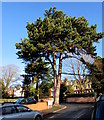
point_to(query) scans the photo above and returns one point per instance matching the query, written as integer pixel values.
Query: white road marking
(52, 116)
(59, 109)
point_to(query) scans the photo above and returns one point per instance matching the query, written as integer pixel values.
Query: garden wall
(80, 100)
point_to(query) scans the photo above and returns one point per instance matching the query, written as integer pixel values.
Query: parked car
(98, 112)
(25, 101)
(19, 112)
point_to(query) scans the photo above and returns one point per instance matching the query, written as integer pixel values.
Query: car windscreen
(30, 99)
(102, 98)
(19, 100)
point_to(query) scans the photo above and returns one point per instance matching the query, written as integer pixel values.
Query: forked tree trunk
(57, 92)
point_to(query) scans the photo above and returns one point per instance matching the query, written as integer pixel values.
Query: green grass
(7, 100)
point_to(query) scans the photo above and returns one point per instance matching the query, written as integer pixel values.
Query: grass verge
(7, 100)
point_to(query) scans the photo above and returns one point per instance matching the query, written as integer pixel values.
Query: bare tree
(8, 77)
(79, 71)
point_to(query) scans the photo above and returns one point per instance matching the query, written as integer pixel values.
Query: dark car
(98, 112)
(19, 112)
(25, 101)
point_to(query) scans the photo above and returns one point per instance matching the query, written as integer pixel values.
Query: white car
(18, 112)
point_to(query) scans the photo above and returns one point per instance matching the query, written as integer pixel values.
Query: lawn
(6, 100)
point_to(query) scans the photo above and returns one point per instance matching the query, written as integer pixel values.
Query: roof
(7, 105)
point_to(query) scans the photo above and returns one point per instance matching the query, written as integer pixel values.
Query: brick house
(16, 91)
(86, 88)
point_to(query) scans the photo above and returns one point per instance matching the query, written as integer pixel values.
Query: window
(0, 111)
(19, 100)
(8, 110)
(89, 86)
(22, 109)
(23, 101)
(29, 99)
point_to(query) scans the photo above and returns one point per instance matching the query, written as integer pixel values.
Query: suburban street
(52, 60)
(73, 112)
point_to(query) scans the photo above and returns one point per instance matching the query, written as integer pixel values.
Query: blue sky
(16, 15)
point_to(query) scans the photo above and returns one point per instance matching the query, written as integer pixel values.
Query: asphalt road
(73, 112)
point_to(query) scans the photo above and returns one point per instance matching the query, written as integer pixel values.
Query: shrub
(92, 94)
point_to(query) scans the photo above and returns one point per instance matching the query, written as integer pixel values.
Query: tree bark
(57, 92)
(55, 74)
(37, 90)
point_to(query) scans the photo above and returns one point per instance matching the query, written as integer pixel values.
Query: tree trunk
(57, 92)
(55, 74)
(37, 90)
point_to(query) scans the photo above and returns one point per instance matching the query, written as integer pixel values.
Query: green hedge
(81, 95)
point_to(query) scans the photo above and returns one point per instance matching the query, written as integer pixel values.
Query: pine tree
(57, 37)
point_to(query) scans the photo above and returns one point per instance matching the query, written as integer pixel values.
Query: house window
(89, 86)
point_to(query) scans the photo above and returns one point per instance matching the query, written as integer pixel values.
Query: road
(73, 112)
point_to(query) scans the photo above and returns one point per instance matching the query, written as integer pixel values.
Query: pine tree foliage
(96, 71)
(57, 32)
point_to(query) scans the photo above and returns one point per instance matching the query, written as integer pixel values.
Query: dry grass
(38, 106)
(42, 106)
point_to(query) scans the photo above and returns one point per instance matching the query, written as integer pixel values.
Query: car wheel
(38, 118)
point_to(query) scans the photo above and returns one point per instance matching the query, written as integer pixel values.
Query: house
(52, 92)
(79, 86)
(18, 91)
(82, 88)
(66, 81)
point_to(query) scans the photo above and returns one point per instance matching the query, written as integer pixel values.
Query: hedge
(81, 95)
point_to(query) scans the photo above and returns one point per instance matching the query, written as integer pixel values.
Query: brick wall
(80, 99)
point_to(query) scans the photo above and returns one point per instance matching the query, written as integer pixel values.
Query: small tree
(26, 85)
(32, 90)
(69, 87)
(38, 71)
(63, 89)
(8, 77)
(44, 88)
(96, 71)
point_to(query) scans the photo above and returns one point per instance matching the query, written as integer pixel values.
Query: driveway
(73, 112)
